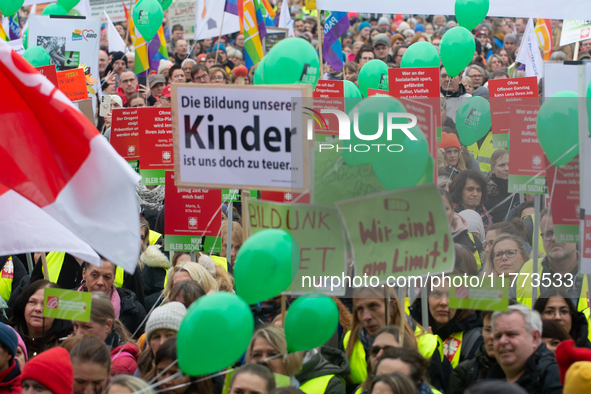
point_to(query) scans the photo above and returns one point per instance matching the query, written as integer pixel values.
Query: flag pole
(129, 24)
(219, 38)
(576, 54)
(320, 40)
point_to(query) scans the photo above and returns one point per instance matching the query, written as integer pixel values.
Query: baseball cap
(166, 91)
(201, 58)
(381, 39)
(155, 79)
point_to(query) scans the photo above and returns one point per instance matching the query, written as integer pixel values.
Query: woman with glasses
(555, 305)
(218, 75)
(507, 255)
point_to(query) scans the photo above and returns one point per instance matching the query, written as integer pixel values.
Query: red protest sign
(328, 95)
(72, 83)
(503, 94)
(49, 72)
(526, 156)
(421, 83)
(125, 133)
(190, 215)
(156, 144)
(377, 92)
(285, 197)
(587, 237)
(565, 199)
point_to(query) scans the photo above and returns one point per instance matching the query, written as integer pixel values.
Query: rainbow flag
(268, 13)
(253, 28)
(3, 35)
(336, 25)
(14, 31)
(544, 33)
(148, 55)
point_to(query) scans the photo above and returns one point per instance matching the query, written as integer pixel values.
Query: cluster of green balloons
(373, 75)
(558, 127)
(312, 320)
(457, 49)
(473, 120)
(37, 56)
(54, 9)
(291, 61)
(10, 7)
(220, 315)
(412, 155)
(266, 265)
(147, 17)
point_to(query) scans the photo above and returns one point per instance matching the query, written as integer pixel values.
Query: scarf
(486, 218)
(365, 339)
(112, 294)
(150, 199)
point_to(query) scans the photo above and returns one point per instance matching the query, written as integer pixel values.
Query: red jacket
(10, 380)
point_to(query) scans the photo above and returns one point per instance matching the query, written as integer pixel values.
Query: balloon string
(163, 371)
(551, 196)
(152, 386)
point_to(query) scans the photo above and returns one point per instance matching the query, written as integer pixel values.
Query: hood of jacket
(326, 361)
(154, 258)
(482, 357)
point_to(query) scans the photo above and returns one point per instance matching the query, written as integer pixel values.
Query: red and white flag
(54, 157)
(24, 227)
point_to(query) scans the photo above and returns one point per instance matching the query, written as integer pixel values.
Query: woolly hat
(53, 369)
(8, 339)
(165, 317)
(510, 37)
(419, 27)
(219, 46)
(164, 64)
(383, 21)
(363, 25)
(21, 343)
(567, 354)
(449, 140)
(482, 91)
(381, 39)
(578, 378)
(403, 26)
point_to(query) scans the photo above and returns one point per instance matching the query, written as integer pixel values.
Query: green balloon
(258, 74)
(420, 54)
(351, 90)
(428, 177)
(10, 7)
(310, 322)
(558, 127)
(371, 112)
(373, 75)
(473, 120)
(265, 266)
(457, 50)
(68, 4)
(26, 38)
(147, 17)
(220, 313)
(470, 13)
(54, 9)
(165, 4)
(414, 158)
(37, 56)
(292, 61)
(74, 12)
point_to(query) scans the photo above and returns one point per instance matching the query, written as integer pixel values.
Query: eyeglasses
(551, 312)
(509, 253)
(376, 349)
(548, 235)
(201, 77)
(126, 81)
(475, 76)
(221, 78)
(367, 58)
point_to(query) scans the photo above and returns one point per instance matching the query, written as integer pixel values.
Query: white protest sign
(551, 9)
(230, 136)
(182, 12)
(573, 31)
(208, 20)
(114, 8)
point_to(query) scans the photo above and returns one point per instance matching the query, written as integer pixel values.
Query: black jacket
(497, 192)
(580, 330)
(541, 374)
(132, 313)
(328, 361)
(469, 372)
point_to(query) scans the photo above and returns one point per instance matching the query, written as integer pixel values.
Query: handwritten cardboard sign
(72, 83)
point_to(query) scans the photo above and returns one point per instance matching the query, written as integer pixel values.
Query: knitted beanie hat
(21, 343)
(165, 317)
(53, 369)
(567, 354)
(578, 378)
(449, 140)
(8, 339)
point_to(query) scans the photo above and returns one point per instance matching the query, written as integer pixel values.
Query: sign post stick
(30, 262)
(425, 306)
(320, 41)
(219, 38)
(245, 229)
(576, 54)
(229, 247)
(401, 292)
(283, 310)
(534, 294)
(45, 269)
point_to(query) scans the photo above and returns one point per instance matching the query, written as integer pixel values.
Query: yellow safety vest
(452, 348)
(357, 362)
(317, 385)
(540, 239)
(55, 261)
(427, 343)
(483, 154)
(6, 280)
(153, 237)
(476, 254)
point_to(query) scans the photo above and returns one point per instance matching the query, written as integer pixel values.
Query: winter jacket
(541, 374)
(469, 372)
(156, 265)
(18, 271)
(454, 100)
(124, 359)
(10, 380)
(470, 328)
(580, 330)
(50, 339)
(497, 193)
(326, 361)
(132, 313)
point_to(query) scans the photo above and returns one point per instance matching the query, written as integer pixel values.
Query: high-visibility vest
(483, 154)
(357, 362)
(476, 254)
(427, 344)
(452, 348)
(540, 239)
(6, 279)
(317, 385)
(153, 237)
(55, 261)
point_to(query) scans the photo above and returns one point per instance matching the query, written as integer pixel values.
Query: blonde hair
(237, 231)
(102, 310)
(197, 272)
(292, 362)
